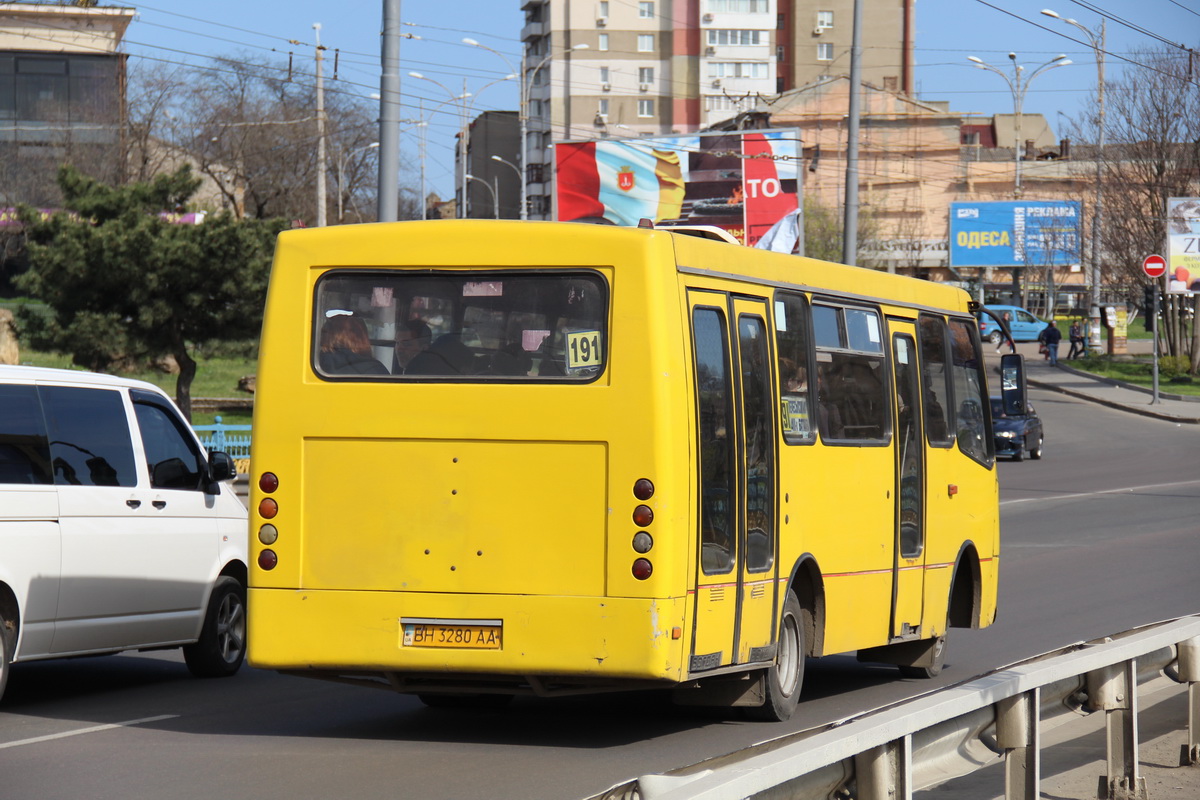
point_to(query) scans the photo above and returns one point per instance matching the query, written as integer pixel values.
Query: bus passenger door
(735, 466)
(756, 463)
(908, 584)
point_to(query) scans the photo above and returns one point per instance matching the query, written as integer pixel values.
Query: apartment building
(624, 68)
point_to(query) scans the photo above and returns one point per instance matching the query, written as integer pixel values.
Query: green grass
(215, 377)
(1137, 371)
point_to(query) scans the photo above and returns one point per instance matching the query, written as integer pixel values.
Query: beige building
(62, 95)
(621, 68)
(915, 158)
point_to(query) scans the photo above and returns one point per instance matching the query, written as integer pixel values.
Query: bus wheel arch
(806, 584)
(966, 588)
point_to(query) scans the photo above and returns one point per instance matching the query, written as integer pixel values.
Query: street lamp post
(1019, 84)
(520, 179)
(342, 171)
(526, 78)
(1097, 43)
(462, 140)
(494, 193)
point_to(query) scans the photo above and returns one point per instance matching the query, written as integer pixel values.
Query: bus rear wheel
(786, 676)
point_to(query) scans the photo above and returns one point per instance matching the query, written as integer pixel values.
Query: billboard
(1183, 244)
(744, 182)
(1034, 233)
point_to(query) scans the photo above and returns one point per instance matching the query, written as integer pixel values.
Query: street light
(514, 168)
(462, 140)
(1097, 43)
(495, 195)
(1019, 84)
(523, 111)
(342, 170)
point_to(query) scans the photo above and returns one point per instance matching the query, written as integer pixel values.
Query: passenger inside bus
(413, 338)
(345, 348)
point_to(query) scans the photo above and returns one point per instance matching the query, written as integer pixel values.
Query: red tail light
(267, 560)
(642, 568)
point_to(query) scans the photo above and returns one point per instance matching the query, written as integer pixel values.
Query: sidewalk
(1064, 379)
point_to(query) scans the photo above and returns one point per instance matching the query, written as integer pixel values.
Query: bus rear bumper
(547, 644)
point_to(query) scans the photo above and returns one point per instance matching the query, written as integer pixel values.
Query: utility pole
(387, 201)
(850, 223)
(320, 129)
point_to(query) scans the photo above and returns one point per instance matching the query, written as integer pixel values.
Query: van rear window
(460, 326)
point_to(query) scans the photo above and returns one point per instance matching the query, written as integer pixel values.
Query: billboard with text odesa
(1034, 233)
(743, 182)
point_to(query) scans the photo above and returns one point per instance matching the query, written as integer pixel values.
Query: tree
(823, 232)
(124, 283)
(1152, 128)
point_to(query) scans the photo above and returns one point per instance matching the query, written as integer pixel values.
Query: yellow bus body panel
(514, 501)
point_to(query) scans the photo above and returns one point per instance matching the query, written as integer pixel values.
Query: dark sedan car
(1016, 434)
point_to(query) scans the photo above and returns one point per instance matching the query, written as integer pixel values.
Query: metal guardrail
(889, 753)
(214, 437)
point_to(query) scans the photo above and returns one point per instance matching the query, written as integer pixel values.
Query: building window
(645, 43)
(602, 108)
(646, 10)
(645, 108)
(737, 69)
(824, 20)
(603, 8)
(740, 6)
(824, 51)
(726, 37)
(603, 43)
(645, 74)
(604, 75)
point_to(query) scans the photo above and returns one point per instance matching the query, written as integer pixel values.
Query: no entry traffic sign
(1155, 266)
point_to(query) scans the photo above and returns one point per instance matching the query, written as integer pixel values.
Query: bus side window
(791, 345)
(972, 426)
(935, 387)
(852, 402)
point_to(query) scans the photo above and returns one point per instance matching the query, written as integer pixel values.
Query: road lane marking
(1075, 495)
(81, 731)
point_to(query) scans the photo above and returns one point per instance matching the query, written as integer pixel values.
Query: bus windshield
(460, 325)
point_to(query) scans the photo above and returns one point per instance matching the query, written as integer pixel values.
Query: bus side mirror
(1012, 384)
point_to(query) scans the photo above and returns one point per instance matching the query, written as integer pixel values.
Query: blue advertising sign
(1034, 233)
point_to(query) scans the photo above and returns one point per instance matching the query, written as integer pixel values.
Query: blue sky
(947, 32)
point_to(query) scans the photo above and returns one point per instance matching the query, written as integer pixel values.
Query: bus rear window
(460, 326)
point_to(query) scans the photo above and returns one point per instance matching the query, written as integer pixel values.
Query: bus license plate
(456, 635)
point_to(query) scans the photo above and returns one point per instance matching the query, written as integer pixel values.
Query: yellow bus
(494, 458)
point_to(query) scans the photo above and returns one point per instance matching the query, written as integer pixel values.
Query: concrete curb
(1145, 411)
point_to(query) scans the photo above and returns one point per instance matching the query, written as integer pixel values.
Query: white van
(116, 529)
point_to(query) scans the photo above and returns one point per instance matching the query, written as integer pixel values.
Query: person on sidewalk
(1078, 343)
(1050, 338)
(1003, 337)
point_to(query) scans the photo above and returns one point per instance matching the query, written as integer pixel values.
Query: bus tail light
(642, 516)
(268, 482)
(268, 508)
(642, 542)
(267, 560)
(268, 534)
(643, 489)
(642, 568)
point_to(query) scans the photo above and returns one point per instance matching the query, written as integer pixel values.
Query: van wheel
(785, 677)
(221, 647)
(8, 640)
(995, 336)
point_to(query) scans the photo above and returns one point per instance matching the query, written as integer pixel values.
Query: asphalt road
(1099, 536)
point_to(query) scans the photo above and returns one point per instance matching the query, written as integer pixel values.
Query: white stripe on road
(1073, 495)
(81, 731)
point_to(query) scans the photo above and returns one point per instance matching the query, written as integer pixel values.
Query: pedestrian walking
(1004, 338)
(1078, 343)
(1050, 338)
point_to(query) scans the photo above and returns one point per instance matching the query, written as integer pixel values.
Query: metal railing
(214, 437)
(889, 753)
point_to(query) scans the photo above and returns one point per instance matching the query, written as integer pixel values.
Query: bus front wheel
(785, 677)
